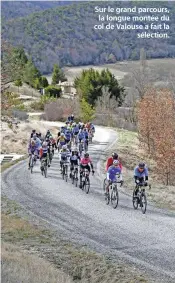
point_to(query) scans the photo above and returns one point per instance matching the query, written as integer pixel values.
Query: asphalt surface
(147, 241)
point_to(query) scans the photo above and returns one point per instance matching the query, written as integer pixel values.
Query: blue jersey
(85, 134)
(112, 171)
(81, 135)
(75, 130)
(68, 135)
(139, 174)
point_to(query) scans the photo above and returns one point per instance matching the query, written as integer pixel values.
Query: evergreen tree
(57, 75)
(31, 73)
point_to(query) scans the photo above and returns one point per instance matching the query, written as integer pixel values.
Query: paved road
(147, 241)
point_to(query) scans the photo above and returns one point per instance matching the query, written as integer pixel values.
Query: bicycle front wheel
(87, 185)
(143, 202)
(114, 197)
(135, 200)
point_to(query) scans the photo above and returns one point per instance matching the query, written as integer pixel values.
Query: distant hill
(65, 35)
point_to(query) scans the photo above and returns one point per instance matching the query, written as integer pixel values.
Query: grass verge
(32, 253)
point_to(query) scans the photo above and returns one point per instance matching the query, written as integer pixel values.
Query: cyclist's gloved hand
(137, 181)
(93, 171)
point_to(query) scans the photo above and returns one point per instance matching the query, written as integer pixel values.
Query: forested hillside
(65, 35)
(15, 9)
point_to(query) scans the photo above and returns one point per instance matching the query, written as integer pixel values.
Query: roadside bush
(54, 91)
(61, 109)
(39, 105)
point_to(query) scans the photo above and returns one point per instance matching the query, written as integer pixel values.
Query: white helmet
(62, 134)
(44, 144)
(64, 146)
(115, 162)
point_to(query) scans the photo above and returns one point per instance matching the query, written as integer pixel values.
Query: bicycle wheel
(63, 171)
(107, 198)
(114, 197)
(76, 178)
(87, 185)
(31, 165)
(104, 184)
(45, 170)
(73, 177)
(66, 173)
(143, 202)
(135, 200)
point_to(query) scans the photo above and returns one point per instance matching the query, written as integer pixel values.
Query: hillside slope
(65, 35)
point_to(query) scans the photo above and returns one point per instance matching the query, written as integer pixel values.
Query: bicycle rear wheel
(114, 197)
(87, 185)
(107, 198)
(143, 202)
(45, 170)
(31, 165)
(63, 171)
(66, 173)
(76, 178)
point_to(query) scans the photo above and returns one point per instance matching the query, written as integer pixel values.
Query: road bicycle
(86, 145)
(112, 194)
(139, 197)
(44, 166)
(74, 175)
(81, 148)
(32, 161)
(85, 181)
(65, 170)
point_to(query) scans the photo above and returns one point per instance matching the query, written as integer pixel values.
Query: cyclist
(88, 126)
(48, 134)
(75, 132)
(86, 136)
(84, 164)
(68, 136)
(37, 142)
(43, 153)
(111, 159)
(74, 159)
(32, 133)
(61, 140)
(81, 135)
(141, 175)
(64, 155)
(92, 128)
(113, 170)
(32, 149)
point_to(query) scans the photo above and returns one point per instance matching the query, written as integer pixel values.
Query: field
(161, 68)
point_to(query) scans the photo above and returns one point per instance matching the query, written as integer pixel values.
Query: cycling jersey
(112, 171)
(81, 135)
(76, 130)
(85, 161)
(139, 174)
(32, 149)
(110, 163)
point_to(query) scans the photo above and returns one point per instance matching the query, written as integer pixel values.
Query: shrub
(39, 105)
(53, 91)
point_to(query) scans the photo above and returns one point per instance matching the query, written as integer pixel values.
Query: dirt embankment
(16, 141)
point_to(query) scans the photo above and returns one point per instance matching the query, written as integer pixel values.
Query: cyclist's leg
(81, 174)
(108, 184)
(71, 168)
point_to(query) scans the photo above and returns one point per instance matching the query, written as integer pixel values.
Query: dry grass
(20, 266)
(18, 141)
(127, 146)
(26, 244)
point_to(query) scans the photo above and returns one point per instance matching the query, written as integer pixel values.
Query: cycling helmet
(114, 155)
(64, 146)
(86, 155)
(141, 165)
(115, 162)
(33, 131)
(44, 144)
(75, 149)
(62, 134)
